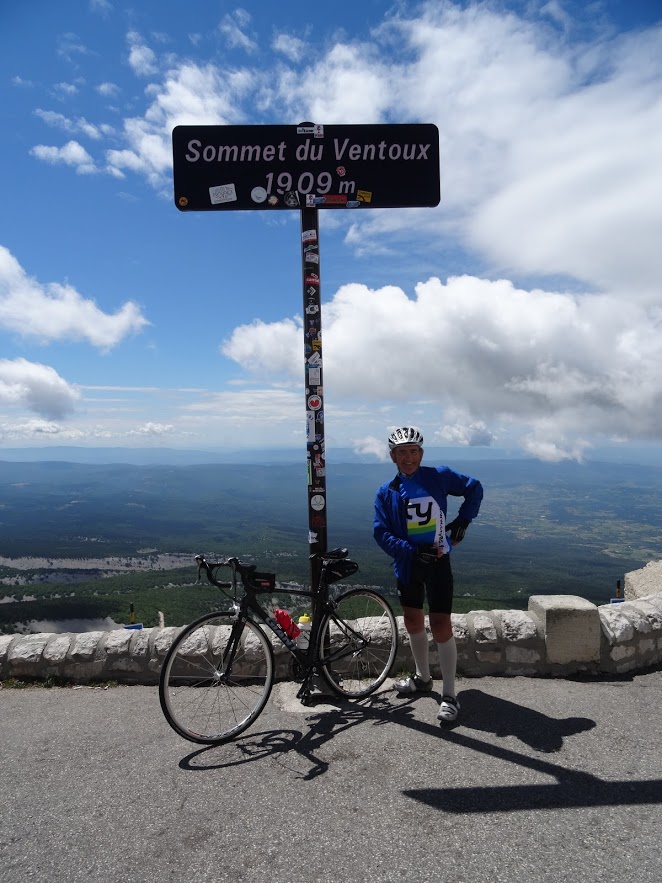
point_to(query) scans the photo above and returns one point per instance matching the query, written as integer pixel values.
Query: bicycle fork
(224, 671)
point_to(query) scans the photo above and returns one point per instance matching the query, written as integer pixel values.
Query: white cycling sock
(448, 662)
(419, 648)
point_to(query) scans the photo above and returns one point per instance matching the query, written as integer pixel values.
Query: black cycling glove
(457, 530)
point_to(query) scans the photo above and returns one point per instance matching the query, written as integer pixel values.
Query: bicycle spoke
(358, 643)
(211, 689)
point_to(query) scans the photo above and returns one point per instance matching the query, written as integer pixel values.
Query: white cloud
(103, 7)
(247, 417)
(575, 194)
(108, 90)
(373, 446)
(142, 59)
(39, 430)
(58, 312)
(472, 433)
(549, 149)
(558, 14)
(80, 124)
(250, 344)
(350, 84)
(72, 154)
(233, 27)
(569, 366)
(189, 95)
(153, 429)
(70, 46)
(546, 445)
(291, 47)
(38, 388)
(64, 90)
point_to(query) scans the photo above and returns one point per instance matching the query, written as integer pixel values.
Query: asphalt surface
(539, 780)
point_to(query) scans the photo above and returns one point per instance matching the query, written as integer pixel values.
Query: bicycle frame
(249, 608)
(218, 673)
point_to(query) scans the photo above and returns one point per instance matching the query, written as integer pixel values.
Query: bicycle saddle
(336, 554)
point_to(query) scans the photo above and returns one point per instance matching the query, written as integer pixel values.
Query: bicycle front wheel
(216, 678)
(358, 643)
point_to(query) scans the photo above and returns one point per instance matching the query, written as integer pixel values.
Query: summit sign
(314, 166)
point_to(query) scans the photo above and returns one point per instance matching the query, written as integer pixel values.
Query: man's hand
(457, 530)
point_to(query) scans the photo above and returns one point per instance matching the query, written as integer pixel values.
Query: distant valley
(114, 531)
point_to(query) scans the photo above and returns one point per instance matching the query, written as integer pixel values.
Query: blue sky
(524, 311)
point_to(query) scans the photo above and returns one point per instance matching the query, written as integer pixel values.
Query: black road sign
(221, 168)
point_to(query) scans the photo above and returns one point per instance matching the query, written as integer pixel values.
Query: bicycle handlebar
(234, 563)
(248, 572)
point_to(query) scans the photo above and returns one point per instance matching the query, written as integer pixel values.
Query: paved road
(542, 780)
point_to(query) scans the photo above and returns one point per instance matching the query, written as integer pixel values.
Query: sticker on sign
(222, 193)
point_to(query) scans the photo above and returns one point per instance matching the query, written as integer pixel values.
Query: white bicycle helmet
(405, 435)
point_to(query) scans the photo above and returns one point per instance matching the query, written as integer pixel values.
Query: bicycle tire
(202, 702)
(357, 644)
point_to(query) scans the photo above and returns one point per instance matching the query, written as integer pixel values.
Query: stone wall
(558, 636)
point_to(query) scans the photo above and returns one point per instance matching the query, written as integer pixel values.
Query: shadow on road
(278, 744)
(573, 788)
(480, 712)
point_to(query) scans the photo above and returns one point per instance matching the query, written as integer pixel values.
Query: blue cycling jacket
(390, 525)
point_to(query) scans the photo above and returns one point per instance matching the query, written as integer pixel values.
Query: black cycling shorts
(432, 580)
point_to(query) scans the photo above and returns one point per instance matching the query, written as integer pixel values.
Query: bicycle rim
(209, 694)
(358, 643)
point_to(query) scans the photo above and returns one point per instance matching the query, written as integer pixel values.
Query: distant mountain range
(192, 457)
(643, 454)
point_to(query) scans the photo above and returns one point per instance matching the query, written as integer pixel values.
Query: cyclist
(410, 526)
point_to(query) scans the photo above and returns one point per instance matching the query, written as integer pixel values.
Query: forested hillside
(543, 528)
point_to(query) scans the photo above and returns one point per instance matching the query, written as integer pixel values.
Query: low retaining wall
(558, 636)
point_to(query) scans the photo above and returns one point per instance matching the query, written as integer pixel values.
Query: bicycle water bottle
(284, 620)
(303, 640)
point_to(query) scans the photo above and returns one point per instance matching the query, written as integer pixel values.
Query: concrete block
(460, 627)
(139, 646)
(652, 613)
(483, 627)
(164, 638)
(492, 656)
(522, 654)
(646, 581)
(517, 626)
(56, 650)
(5, 641)
(622, 652)
(117, 642)
(571, 626)
(617, 627)
(28, 649)
(85, 645)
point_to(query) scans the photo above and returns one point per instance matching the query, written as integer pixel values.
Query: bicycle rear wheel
(358, 642)
(216, 678)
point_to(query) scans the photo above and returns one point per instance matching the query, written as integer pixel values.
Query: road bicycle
(217, 675)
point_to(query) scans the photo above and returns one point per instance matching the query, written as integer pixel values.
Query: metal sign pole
(312, 343)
